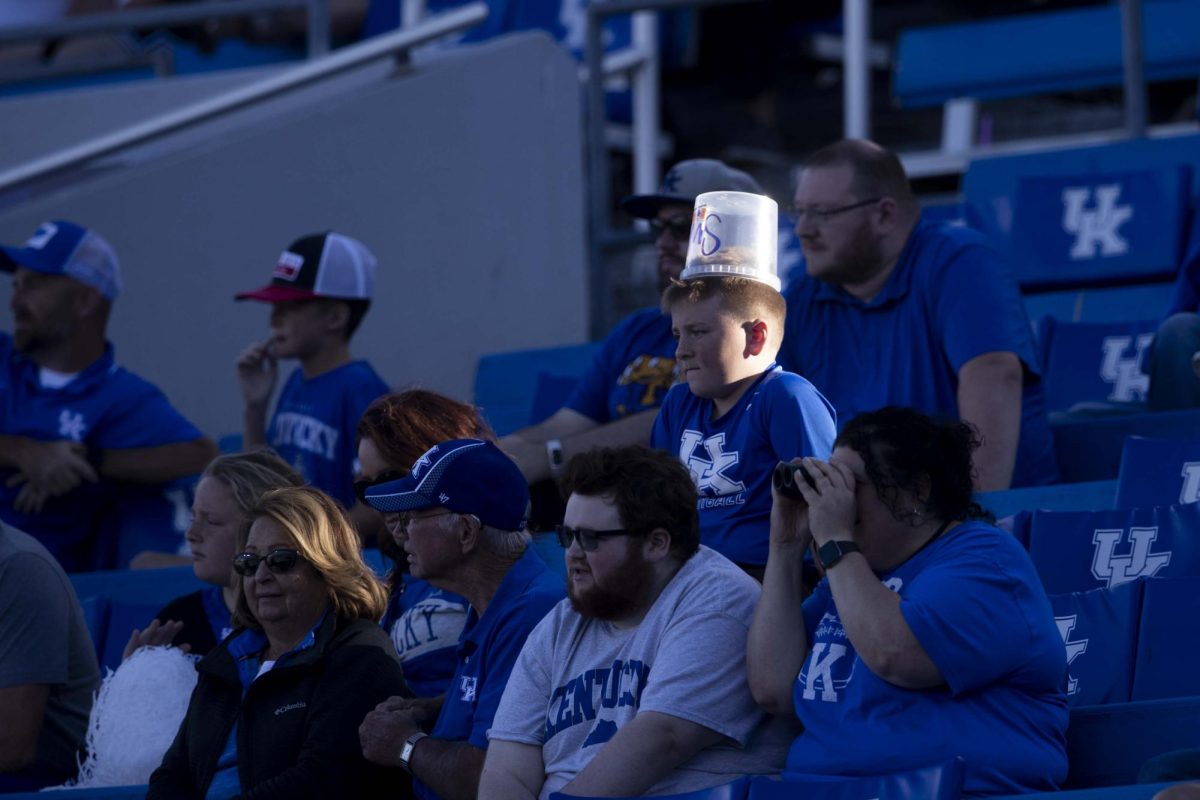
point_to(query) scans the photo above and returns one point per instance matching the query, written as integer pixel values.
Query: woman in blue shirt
(929, 636)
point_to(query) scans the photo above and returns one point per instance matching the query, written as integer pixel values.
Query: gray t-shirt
(578, 680)
(44, 640)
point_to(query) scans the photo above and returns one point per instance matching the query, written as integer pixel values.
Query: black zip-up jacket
(297, 731)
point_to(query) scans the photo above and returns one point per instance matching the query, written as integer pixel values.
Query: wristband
(554, 454)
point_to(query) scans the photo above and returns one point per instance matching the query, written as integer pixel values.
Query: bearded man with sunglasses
(463, 511)
(617, 399)
(895, 309)
(636, 685)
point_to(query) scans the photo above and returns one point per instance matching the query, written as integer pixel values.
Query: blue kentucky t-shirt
(731, 459)
(949, 299)
(314, 423)
(632, 371)
(425, 624)
(974, 602)
(105, 407)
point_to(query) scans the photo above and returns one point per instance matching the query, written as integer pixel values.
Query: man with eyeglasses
(464, 506)
(636, 685)
(898, 310)
(617, 399)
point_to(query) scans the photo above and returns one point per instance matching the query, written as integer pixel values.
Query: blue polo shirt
(488, 649)
(313, 427)
(732, 458)
(632, 371)
(949, 299)
(105, 407)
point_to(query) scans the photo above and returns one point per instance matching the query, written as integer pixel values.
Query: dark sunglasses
(278, 561)
(588, 539)
(362, 484)
(679, 227)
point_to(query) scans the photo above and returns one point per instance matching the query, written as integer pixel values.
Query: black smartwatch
(832, 552)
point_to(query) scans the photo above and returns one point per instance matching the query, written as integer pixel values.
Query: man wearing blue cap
(463, 511)
(71, 420)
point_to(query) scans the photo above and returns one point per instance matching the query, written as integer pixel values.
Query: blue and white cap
(467, 476)
(60, 247)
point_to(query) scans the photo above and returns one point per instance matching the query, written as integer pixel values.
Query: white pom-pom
(136, 715)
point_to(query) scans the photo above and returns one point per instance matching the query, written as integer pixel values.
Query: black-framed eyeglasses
(406, 520)
(588, 539)
(680, 227)
(362, 484)
(822, 215)
(278, 561)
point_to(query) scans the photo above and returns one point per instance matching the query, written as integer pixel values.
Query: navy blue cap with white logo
(467, 476)
(60, 247)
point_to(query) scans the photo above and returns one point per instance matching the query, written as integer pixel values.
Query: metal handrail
(134, 19)
(327, 66)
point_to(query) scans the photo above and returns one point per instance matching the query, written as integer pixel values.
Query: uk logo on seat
(1096, 224)
(1190, 493)
(1124, 371)
(1139, 562)
(1074, 649)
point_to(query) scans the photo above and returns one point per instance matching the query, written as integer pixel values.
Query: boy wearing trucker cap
(319, 292)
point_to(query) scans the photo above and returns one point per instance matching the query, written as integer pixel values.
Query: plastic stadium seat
(939, 782)
(1099, 630)
(1168, 649)
(1079, 550)
(1107, 744)
(123, 617)
(1087, 496)
(1094, 362)
(506, 383)
(728, 791)
(1090, 449)
(978, 59)
(147, 586)
(95, 615)
(105, 793)
(1158, 472)
(1140, 791)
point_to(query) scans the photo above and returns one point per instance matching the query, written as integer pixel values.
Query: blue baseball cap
(60, 247)
(467, 476)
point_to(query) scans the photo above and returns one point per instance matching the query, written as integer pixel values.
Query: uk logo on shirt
(71, 425)
(708, 461)
(467, 688)
(830, 665)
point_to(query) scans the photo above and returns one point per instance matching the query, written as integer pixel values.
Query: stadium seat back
(1089, 449)
(123, 617)
(1168, 647)
(938, 782)
(1099, 631)
(1076, 551)
(506, 383)
(1094, 362)
(1107, 744)
(1158, 472)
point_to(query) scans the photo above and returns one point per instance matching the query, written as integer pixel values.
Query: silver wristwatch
(407, 750)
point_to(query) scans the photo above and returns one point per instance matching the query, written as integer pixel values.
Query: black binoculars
(785, 482)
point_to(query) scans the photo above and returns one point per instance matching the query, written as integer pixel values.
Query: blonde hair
(324, 537)
(249, 475)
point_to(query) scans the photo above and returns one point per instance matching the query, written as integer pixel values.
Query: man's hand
(383, 731)
(257, 371)
(156, 634)
(49, 469)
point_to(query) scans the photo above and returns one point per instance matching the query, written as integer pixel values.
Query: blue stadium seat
(977, 59)
(1089, 449)
(1168, 649)
(1139, 791)
(1094, 363)
(1088, 496)
(1105, 304)
(727, 791)
(1158, 472)
(939, 782)
(95, 615)
(104, 793)
(1076, 551)
(506, 383)
(1107, 744)
(148, 586)
(1099, 630)
(123, 617)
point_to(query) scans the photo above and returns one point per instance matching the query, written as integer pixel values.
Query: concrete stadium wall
(464, 177)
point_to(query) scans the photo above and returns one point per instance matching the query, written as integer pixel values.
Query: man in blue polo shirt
(895, 310)
(617, 399)
(72, 423)
(465, 506)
